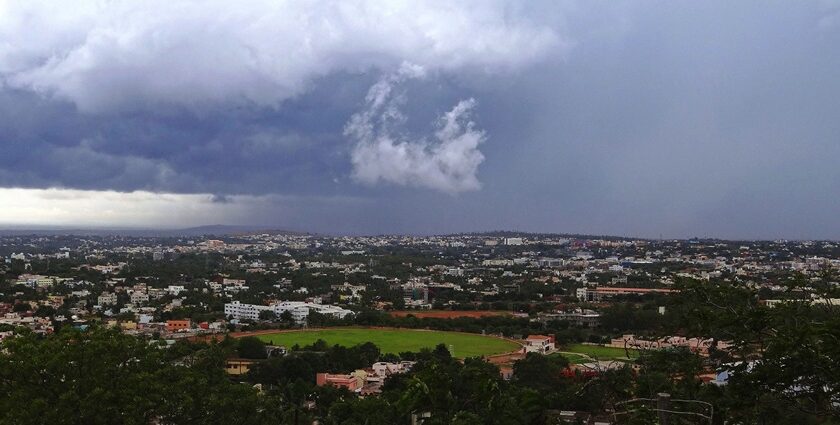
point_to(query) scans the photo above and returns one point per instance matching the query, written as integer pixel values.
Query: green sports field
(574, 358)
(600, 352)
(397, 340)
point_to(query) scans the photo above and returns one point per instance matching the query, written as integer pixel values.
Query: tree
(782, 361)
(268, 315)
(540, 372)
(286, 317)
(251, 347)
(104, 377)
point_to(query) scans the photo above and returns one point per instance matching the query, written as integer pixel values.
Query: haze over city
(646, 119)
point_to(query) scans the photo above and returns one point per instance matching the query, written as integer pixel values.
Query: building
(577, 317)
(381, 370)
(539, 344)
(697, 345)
(514, 241)
(551, 262)
(238, 367)
(603, 292)
(178, 325)
(353, 382)
(175, 289)
(240, 311)
(139, 297)
(416, 291)
(233, 282)
(365, 381)
(107, 298)
(298, 309)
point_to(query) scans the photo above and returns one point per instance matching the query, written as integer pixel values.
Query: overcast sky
(672, 118)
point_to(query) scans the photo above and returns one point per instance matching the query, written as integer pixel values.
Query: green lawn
(600, 352)
(397, 340)
(573, 358)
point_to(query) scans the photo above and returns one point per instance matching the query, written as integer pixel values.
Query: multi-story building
(298, 309)
(539, 344)
(139, 297)
(107, 298)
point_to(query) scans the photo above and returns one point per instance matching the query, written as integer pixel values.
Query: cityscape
(341, 317)
(419, 212)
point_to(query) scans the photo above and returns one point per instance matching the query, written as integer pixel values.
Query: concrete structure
(107, 299)
(698, 345)
(139, 297)
(238, 367)
(539, 344)
(299, 310)
(603, 292)
(351, 382)
(514, 241)
(177, 325)
(578, 317)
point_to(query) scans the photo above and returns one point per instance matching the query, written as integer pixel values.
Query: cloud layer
(113, 56)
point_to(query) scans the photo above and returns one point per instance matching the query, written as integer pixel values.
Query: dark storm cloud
(629, 118)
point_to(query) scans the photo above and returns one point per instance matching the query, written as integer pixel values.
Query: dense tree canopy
(104, 377)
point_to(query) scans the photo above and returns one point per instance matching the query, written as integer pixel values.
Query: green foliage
(540, 372)
(251, 347)
(104, 377)
(782, 360)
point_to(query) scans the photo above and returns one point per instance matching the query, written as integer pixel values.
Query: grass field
(574, 358)
(397, 340)
(600, 352)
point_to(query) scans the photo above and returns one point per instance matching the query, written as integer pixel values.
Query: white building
(514, 241)
(299, 310)
(539, 344)
(240, 311)
(175, 289)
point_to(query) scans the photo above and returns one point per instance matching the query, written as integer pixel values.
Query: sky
(654, 119)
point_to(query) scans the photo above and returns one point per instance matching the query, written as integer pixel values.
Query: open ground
(587, 352)
(396, 341)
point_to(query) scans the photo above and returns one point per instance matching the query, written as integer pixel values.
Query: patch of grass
(600, 352)
(573, 358)
(397, 340)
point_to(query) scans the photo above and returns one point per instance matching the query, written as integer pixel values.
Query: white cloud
(448, 162)
(122, 55)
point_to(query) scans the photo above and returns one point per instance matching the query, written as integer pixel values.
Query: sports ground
(396, 341)
(598, 352)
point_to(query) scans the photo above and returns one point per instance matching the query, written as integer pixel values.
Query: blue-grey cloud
(673, 118)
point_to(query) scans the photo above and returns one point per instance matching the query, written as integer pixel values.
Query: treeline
(616, 319)
(507, 326)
